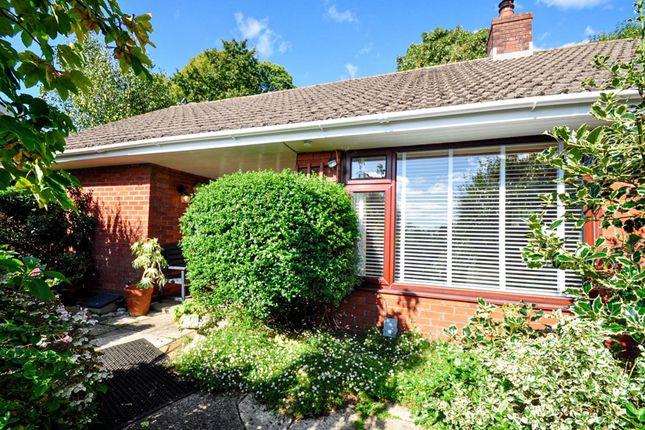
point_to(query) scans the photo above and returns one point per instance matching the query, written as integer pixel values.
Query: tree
(111, 94)
(232, 71)
(32, 130)
(443, 46)
(605, 169)
(624, 30)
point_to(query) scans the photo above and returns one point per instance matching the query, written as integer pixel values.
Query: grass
(303, 375)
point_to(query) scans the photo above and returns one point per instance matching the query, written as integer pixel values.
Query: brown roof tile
(556, 71)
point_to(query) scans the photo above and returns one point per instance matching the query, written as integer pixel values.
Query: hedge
(279, 244)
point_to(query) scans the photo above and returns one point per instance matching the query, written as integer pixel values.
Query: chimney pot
(506, 8)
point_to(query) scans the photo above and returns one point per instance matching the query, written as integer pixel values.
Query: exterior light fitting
(184, 195)
(332, 163)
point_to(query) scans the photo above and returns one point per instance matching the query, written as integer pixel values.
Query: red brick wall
(166, 206)
(364, 309)
(511, 34)
(122, 195)
(133, 202)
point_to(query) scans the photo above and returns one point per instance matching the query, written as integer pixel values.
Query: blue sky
(325, 40)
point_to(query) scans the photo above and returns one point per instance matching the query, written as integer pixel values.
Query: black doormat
(139, 386)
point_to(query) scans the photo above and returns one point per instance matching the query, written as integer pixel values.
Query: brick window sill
(469, 296)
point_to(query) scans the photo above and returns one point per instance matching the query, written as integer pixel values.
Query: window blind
(460, 219)
(370, 208)
(421, 249)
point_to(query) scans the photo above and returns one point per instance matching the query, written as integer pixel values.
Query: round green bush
(279, 244)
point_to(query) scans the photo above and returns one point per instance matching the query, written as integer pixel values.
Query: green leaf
(39, 289)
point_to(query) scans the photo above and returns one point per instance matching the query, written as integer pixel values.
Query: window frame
(386, 284)
(390, 166)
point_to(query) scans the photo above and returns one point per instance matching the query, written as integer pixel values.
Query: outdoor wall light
(184, 195)
(332, 163)
(307, 143)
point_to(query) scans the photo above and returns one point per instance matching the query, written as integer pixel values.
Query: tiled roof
(551, 72)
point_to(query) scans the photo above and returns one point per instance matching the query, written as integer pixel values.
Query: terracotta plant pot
(138, 300)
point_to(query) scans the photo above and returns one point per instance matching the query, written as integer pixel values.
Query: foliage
(49, 373)
(33, 131)
(442, 46)
(306, 375)
(192, 307)
(604, 167)
(624, 30)
(279, 244)
(61, 239)
(148, 255)
(503, 374)
(232, 71)
(486, 326)
(112, 95)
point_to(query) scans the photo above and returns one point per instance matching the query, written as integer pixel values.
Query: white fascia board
(506, 113)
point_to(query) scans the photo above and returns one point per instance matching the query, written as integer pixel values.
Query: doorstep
(158, 328)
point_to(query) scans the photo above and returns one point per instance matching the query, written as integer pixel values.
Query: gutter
(337, 127)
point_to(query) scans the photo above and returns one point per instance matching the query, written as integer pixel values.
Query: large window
(460, 220)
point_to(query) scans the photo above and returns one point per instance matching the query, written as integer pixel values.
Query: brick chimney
(511, 34)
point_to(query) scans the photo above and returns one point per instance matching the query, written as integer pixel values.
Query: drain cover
(140, 384)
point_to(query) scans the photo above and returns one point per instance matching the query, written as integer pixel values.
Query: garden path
(205, 411)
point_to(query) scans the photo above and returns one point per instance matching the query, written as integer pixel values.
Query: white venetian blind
(526, 179)
(370, 208)
(422, 219)
(475, 214)
(461, 219)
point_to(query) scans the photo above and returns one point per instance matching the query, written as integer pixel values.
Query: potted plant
(148, 255)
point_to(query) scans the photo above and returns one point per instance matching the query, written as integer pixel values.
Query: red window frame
(386, 284)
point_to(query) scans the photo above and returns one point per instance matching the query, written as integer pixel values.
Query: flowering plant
(49, 372)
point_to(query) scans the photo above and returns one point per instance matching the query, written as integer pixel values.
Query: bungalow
(440, 163)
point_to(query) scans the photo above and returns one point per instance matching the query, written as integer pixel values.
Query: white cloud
(366, 49)
(569, 44)
(258, 32)
(572, 4)
(284, 46)
(352, 70)
(341, 16)
(544, 36)
(249, 26)
(589, 31)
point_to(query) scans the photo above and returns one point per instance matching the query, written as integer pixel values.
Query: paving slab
(343, 420)
(158, 327)
(195, 412)
(255, 416)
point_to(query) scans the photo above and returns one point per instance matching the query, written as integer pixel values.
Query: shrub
(603, 169)
(49, 372)
(276, 243)
(562, 378)
(61, 239)
(431, 388)
(306, 375)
